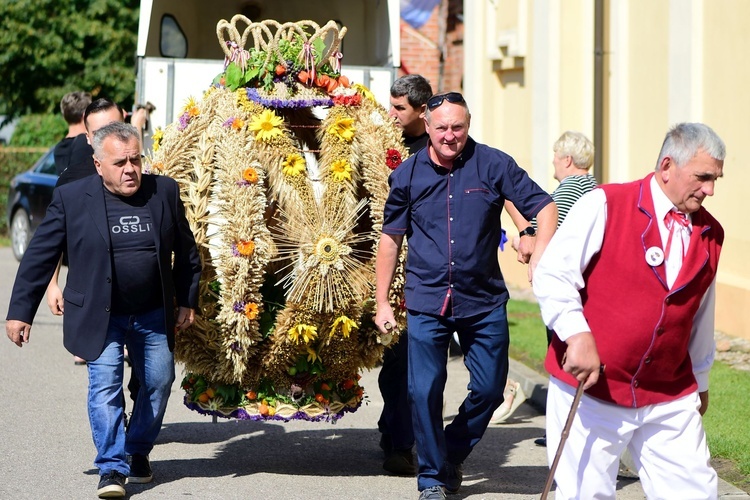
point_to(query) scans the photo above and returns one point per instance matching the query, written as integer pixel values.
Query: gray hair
(416, 88)
(123, 132)
(577, 146)
(684, 140)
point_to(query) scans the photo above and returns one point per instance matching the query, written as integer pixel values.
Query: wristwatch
(530, 231)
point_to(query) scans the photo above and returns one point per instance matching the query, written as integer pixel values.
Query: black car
(30, 193)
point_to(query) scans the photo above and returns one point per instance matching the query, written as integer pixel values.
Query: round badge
(654, 256)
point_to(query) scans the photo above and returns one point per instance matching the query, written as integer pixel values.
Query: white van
(178, 52)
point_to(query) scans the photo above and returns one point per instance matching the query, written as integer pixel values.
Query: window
(172, 40)
(47, 165)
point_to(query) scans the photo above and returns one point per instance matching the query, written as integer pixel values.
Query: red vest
(641, 327)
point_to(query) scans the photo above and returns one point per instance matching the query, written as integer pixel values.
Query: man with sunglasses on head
(447, 200)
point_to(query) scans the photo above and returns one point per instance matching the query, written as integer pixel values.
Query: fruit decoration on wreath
(283, 168)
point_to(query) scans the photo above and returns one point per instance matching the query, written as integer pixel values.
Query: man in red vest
(628, 286)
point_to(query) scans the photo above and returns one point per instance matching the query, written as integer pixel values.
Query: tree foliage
(39, 130)
(51, 47)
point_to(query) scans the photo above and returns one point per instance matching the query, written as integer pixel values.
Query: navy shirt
(451, 219)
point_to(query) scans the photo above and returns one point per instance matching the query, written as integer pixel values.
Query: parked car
(29, 194)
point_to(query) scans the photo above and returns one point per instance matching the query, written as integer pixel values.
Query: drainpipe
(600, 92)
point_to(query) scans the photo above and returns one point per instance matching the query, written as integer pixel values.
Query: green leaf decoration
(233, 76)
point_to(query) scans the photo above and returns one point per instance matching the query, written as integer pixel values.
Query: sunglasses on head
(436, 100)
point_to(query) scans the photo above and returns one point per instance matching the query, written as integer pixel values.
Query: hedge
(13, 161)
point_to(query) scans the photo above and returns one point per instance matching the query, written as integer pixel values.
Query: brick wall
(420, 49)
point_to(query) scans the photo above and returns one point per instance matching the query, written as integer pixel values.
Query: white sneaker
(514, 396)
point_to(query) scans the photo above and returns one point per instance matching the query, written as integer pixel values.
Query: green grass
(728, 415)
(528, 338)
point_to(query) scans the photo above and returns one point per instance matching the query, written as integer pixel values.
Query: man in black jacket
(131, 257)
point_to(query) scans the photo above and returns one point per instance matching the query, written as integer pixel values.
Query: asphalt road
(46, 449)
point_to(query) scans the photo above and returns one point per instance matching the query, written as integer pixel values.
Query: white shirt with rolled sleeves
(559, 276)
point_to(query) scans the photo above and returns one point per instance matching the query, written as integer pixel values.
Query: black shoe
(400, 463)
(432, 493)
(454, 477)
(140, 470)
(542, 441)
(112, 485)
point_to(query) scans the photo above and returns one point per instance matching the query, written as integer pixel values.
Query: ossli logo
(131, 224)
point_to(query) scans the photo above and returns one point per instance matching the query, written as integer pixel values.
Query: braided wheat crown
(267, 34)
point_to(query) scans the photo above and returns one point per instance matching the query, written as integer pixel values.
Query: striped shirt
(569, 191)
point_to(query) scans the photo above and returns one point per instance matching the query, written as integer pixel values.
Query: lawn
(728, 415)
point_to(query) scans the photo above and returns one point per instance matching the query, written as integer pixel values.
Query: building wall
(421, 48)
(667, 61)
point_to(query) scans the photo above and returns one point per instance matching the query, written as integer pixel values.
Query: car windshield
(47, 164)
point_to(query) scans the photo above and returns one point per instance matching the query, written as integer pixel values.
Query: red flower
(393, 158)
(347, 100)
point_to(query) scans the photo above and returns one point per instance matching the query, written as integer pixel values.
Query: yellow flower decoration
(347, 325)
(312, 355)
(266, 125)
(250, 175)
(194, 111)
(294, 165)
(245, 248)
(343, 128)
(237, 124)
(341, 170)
(157, 166)
(156, 139)
(242, 99)
(304, 332)
(361, 89)
(189, 104)
(251, 310)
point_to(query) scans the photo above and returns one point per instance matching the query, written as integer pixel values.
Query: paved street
(46, 449)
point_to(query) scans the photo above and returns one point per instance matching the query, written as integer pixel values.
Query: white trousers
(666, 441)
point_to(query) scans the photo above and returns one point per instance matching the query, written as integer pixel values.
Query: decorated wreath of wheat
(284, 186)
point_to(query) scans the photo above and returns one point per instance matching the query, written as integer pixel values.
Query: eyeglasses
(436, 100)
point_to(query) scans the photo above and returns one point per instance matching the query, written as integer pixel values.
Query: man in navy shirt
(447, 200)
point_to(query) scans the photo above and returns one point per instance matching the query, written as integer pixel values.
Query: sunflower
(156, 139)
(347, 325)
(305, 332)
(343, 128)
(341, 170)
(266, 125)
(293, 165)
(312, 355)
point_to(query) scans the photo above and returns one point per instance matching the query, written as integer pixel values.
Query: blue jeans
(153, 363)
(484, 340)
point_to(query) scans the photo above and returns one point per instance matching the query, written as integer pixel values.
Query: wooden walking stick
(563, 438)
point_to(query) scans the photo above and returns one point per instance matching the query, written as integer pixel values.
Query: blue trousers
(395, 420)
(484, 340)
(153, 364)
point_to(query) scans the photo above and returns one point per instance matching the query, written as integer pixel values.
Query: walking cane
(563, 438)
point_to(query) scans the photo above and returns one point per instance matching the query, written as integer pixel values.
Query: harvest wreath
(283, 169)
